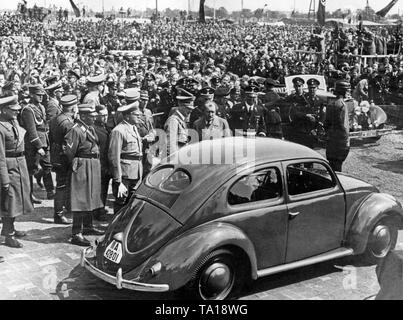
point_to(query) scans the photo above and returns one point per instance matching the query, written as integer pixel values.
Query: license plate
(369, 134)
(114, 252)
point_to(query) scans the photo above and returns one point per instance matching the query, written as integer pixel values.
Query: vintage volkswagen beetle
(228, 217)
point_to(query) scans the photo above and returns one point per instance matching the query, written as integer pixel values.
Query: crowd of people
(89, 109)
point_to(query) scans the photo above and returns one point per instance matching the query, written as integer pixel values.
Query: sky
(230, 5)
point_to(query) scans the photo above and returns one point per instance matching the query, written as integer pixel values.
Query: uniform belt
(42, 129)
(89, 156)
(131, 157)
(12, 154)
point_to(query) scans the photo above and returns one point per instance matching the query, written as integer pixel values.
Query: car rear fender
(373, 209)
(182, 256)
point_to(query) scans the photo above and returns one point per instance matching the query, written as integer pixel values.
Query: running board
(334, 254)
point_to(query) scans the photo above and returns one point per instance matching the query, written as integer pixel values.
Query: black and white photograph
(180, 151)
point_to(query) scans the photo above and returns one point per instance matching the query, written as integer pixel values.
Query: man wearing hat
(315, 104)
(337, 126)
(81, 147)
(249, 116)
(223, 100)
(54, 95)
(144, 124)
(176, 126)
(59, 126)
(14, 182)
(103, 132)
(33, 120)
(112, 103)
(95, 89)
(271, 97)
(125, 155)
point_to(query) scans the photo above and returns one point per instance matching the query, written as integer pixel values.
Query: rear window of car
(158, 177)
(166, 179)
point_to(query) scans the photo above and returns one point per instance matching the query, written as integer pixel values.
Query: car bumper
(118, 280)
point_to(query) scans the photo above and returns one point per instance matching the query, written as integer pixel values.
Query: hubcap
(381, 241)
(216, 282)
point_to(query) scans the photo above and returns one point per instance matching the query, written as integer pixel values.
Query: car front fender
(181, 257)
(374, 208)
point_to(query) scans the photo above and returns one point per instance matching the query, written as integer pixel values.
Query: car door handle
(293, 214)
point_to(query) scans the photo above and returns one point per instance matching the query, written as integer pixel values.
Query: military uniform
(14, 182)
(337, 129)
(112, 103)
(103, 132)
(81, 147)
(33, 120)
(59, 126)
(177, 132)
(52, 109)
(125, 156)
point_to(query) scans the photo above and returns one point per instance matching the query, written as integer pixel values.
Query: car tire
(218, 277)
(381, 240)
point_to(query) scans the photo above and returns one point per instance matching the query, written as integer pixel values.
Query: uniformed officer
(144, 99)
(59, 126)
(33, 120)
(210, 126)
(95, 88)
(53, 107)
(315, 104)
(103, 132)
(271, 97)
(249, 116)
(337, 127)
(223, 100)
(81, 147)
(176, 126)
(14, 182)
(125, 156)
(112, 102)
(302, 121)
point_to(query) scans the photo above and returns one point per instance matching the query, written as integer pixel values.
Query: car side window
(258, 186)
(308, 177)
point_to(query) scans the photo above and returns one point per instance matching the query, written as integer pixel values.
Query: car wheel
(218, 277)
(382, 240)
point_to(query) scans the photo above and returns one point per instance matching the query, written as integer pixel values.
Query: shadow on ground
(391, 166)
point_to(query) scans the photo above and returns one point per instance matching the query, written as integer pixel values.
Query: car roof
(207, 177)
(240, 150)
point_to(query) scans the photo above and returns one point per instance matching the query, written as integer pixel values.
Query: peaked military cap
(10, 102)
(313, 83)
(37, 89)
(298, 81)
(97, 79)
(129, 107)
(207, 91)
(132, 94)
(184, 95)
(54, 87)
(86, 108)
(69, 100)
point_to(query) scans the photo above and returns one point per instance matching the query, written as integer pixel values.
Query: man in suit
(210, 126)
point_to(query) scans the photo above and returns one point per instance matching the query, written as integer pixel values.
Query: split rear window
(170, 180)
